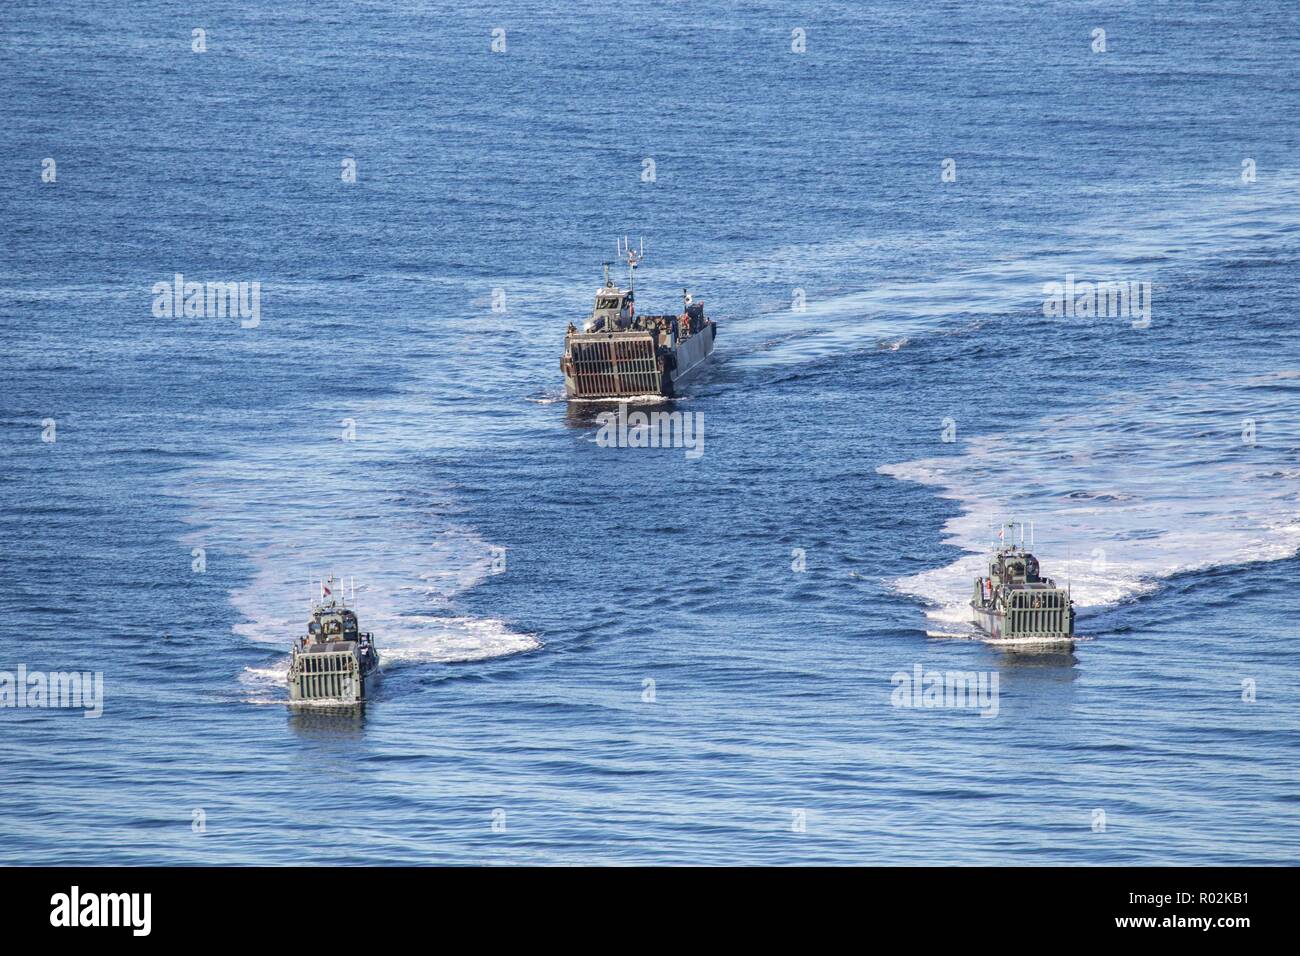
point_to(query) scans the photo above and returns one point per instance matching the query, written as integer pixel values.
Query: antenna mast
(632, 257)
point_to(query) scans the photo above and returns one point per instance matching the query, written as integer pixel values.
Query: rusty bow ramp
(613, 365)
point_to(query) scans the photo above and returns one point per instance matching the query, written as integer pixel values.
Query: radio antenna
(632, 257)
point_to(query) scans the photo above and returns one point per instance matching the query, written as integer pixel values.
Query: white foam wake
(306, 505)
(1125, 494)
(404, 597)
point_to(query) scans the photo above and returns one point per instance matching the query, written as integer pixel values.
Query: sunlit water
(649, 680)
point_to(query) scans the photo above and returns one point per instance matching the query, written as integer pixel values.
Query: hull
(613, 365)
(691, 359)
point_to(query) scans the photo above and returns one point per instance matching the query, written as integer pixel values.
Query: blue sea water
(514, 723)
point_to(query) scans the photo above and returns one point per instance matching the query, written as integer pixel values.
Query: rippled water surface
(650, 680)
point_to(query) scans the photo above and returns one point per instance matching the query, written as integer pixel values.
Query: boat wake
(1126, 493)
(889, 308)
(647, 399)
(409, 609)
(307, 505)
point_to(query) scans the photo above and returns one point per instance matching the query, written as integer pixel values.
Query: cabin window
(607, 303)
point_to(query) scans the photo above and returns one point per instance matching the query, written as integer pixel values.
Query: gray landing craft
(335, 663)
(619, 354)
(1014, 604)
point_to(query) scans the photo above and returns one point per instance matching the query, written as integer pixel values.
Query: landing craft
(335, 662)
(1015, 605)
(619, 354)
